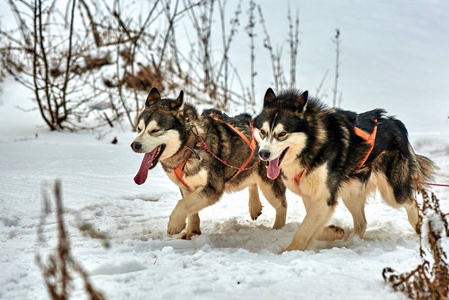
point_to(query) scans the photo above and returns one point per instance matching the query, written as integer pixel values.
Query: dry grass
(429, 280)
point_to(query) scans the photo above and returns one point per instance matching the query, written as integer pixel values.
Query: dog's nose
(136, 146)
(264, 154)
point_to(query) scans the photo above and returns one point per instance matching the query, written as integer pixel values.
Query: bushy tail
(425, 172)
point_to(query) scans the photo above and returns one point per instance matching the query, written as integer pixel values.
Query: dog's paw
(337, 232)
(331, 233)
(255, 209)
(175, 225)
(188, 235)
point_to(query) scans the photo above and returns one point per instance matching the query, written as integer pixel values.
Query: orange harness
(252, 145)
(179, 170)
(370, 140)
(298, 176)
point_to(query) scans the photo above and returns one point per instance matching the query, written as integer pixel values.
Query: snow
(235, 257)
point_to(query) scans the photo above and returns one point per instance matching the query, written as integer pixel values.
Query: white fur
(150, 141)
(296, 141)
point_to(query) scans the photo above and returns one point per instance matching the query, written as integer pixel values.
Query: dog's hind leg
(274, 192)
(414, 215)
(356, 206)
(255, 207)
(409, 203)
(354, 196)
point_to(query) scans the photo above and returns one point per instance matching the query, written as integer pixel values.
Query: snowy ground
(235, 257)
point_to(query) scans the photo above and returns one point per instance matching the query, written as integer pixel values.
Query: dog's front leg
(191, 205)
(193, 227)
(318, 213)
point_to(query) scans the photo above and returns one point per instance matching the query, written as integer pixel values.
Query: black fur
(342, 149)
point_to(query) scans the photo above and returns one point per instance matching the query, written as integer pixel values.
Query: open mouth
(274, 170)
(149, 161)
(157, 155)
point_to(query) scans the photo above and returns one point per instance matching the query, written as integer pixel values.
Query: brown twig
(93, 24)
(336, 40)
(59, 267)
(251, 35)
(36, 86)
(69, 57)
(293, 39)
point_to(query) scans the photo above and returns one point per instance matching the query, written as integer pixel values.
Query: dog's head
(161, 129)
(281, 129)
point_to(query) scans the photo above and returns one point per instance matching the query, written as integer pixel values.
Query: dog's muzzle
(264, 154)
(136, 146)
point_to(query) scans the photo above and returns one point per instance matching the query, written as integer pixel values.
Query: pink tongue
(273, 169)
(144, 167)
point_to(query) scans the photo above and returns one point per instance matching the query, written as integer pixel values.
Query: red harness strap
(178, 170)
(370, 139)
(298, 176)
(252, 145)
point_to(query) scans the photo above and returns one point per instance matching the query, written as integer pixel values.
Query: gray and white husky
(171, 132)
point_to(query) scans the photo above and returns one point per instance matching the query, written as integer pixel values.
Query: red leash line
(204, 145)
(436, 184)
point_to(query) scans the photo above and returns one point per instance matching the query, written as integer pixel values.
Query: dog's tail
(424, 173)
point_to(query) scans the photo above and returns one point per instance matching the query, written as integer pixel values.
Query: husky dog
(325, 154)
(171, 132)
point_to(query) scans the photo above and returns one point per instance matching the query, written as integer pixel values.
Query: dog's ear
(301, 102)
(178, 103)
(153, 97)
(269, 96)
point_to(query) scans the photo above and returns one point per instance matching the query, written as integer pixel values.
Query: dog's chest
(293, 177)
(191, 182)
(307, 183)
(293, 186)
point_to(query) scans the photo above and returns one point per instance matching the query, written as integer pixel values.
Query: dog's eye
(283, 133)
(139, 130)
(262, 132)
(155, 131)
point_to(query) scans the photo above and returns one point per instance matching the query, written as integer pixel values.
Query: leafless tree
(90, 66)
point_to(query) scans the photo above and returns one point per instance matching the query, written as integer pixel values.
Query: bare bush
(430, 280)
(279, 76)
(90, 64)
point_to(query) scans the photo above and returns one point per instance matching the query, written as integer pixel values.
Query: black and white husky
(326, 154)
(204, 156)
